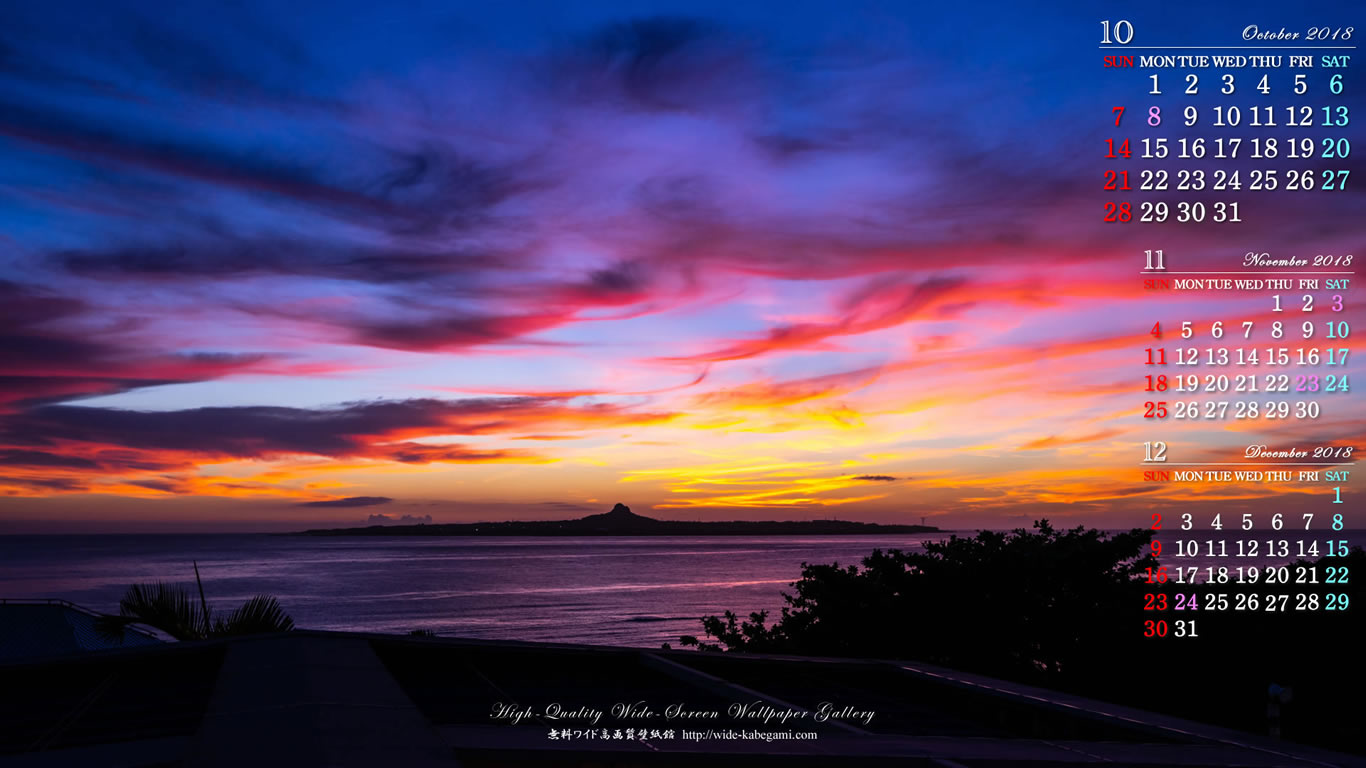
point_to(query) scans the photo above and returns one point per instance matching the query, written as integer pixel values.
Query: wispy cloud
(351, 501)
(744, 266)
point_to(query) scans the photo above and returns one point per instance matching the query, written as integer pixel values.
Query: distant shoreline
(621, 521)
(735, 528)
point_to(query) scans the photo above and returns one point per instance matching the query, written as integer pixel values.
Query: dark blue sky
(263, 258)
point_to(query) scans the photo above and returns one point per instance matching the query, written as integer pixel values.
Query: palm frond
(260, 615)
(172, 609)
(167, 607)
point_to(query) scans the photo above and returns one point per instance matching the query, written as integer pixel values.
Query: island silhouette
(621, 521)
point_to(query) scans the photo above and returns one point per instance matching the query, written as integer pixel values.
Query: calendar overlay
(1245, 369)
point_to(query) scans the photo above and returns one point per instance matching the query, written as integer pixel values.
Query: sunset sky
(272, 265)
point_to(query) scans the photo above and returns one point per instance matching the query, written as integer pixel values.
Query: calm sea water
(609, 591)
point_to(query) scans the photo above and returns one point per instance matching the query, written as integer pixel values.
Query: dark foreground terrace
(311, 698)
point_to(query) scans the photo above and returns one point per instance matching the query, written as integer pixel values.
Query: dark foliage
(1065, 610)
(1020, 603)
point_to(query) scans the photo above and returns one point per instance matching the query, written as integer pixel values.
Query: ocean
(632, 591)
(635, 591)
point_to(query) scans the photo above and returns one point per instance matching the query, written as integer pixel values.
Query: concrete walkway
(303, 700)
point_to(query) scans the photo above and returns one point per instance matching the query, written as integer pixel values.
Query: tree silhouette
(1065, 610)
(1029, 603)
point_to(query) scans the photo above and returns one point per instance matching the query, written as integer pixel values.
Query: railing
(46, 601)
(74, 607)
